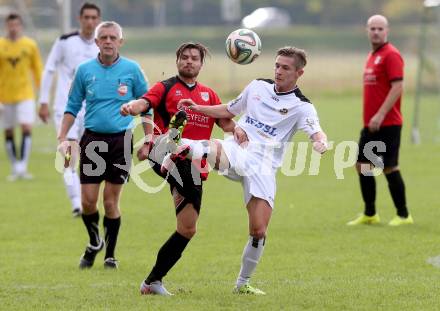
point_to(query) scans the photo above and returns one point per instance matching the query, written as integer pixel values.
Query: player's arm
(135, 107)
(47, 80)
(74, 104)
(319, 141)
(391, 98)
(148, 126)
(217, 111)
(63, 143)
(229, 126)
(66, 124)
(309, 124)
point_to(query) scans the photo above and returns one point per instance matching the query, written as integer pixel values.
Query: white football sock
(72, 185)
(251, 255)
(26, 151)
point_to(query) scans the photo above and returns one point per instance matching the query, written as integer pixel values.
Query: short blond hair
(297, 54)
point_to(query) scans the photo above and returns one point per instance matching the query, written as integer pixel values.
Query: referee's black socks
(91, 222)
(167, 257)
(397, 190)
(111, 230)
(368, 189)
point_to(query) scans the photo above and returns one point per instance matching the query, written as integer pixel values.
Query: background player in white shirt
(66, 54)
(271, 113)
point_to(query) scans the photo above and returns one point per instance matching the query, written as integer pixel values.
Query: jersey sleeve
(49, 70)
(76, 94)
(37, 65)
(154, 95)
(309, 121)
(215, 99)
(394, 67)
(239, 104)
(54, 57)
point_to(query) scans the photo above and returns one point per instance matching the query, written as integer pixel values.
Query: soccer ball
(243, 46)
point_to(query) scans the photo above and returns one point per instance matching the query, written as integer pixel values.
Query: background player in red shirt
(383, 86)
(163, 98)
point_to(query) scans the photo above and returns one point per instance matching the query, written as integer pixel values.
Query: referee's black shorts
(390, 136)
(106, 157)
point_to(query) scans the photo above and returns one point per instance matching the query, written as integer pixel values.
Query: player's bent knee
(89, 207)
(258, 233)
(389, 170)
(187, 232)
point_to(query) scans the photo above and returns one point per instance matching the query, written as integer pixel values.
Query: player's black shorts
(390, 136)
(185, 177)
(105, 157)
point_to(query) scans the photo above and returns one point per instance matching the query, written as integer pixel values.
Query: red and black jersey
(383, 66)
(165, 95)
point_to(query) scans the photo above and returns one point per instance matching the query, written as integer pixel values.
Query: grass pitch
(312, 260)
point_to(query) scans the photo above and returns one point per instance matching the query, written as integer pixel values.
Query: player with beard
(186, 181)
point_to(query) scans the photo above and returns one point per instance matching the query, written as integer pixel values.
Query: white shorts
(77, 129)
(18, 113)
(257, 178)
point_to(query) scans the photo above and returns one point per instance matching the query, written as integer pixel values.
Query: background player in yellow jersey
(20, 72)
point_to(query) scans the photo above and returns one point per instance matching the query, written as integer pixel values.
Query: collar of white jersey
(284, 93)
(90, 41)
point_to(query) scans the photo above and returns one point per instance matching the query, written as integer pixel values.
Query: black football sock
(10, 149)
(26, 144)
(111, 230)
(368, 189)
(397, 190)
(91, 222)
(167, 257)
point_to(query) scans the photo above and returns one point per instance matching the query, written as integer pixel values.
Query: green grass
(312, 260)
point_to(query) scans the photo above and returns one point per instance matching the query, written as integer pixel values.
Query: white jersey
(271, 118)
(66, 54)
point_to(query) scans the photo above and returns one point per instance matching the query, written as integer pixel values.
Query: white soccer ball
(243, 46)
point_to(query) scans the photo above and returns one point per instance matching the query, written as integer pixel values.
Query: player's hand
(143, 152)
(133, 107)
(320, 146)
(187, 102)
(375, 122)
(240, 136)
(64, 146)
(126, 109)
(43, 112)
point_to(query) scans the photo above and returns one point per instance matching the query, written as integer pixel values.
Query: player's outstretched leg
(177, 151)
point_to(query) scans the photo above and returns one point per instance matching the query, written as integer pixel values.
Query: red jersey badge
(204, 96)
(122, 89)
